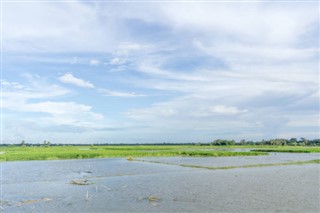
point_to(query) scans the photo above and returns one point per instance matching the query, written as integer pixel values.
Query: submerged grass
(254, 165)
(235, 167)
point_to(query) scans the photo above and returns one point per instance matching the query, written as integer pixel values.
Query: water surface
(118, 185)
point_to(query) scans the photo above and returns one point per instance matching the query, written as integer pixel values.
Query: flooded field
(119, 185)
(272, 158)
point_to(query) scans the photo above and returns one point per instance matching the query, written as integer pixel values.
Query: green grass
(17, 153)
(292, 149)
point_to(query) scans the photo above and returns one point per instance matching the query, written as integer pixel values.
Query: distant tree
(46, 143)
(243, 142)
(303, 142)
(231, 142)
(252, 143)
(314, 142)
(264, 142)
(220, 142)
(278, 142)
(23, 143)
(293, 140)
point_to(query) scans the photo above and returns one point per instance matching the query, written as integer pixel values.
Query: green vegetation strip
(18, 153)
(235, 167)
(300, 150)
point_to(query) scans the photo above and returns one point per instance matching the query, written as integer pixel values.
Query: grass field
(18, 153)
(294, 149)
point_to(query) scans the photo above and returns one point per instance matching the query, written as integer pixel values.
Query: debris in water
(34, 201)
(130, 158)
(4, 203)
(153, 199)
(107, 188)
(80, 182)
(87, 197)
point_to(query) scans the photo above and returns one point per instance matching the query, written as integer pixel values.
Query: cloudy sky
(136, 72)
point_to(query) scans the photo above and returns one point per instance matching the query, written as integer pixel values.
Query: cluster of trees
(275, 142)
(45, 143)
(221, 142)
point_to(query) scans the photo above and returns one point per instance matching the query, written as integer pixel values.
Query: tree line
(217, 142)
(273, 142)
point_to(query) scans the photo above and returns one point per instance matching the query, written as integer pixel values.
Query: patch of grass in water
(288, 150)
(130, 158)
(235, 167)
(197, 153)
(253, 165)
(153, 199)
(291, 149)
(80, 182)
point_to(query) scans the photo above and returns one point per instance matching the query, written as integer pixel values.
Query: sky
(153, 72)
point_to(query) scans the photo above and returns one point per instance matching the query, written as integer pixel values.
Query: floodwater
(118, 185)
(271, 158)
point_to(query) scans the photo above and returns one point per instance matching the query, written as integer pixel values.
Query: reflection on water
(118, 185)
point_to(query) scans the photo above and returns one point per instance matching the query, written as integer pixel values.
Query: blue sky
(144, 72)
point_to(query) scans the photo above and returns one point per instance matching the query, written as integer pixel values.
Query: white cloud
(80, 26)
(56, 27)
(36, 99)
(117, 61)
(227, 110)
(153, 70)
(94, 62)
(129, 46)
(265, 79)
(74, 60)
(259, 22)
(127, 51)
(11, 86)
(190, 116)
(233, 99)
(60, 108)
(68, 78)
(185, 109)
(119, 94)
(67, 113)
(161, 112)
(237, 52)
(15, 93)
